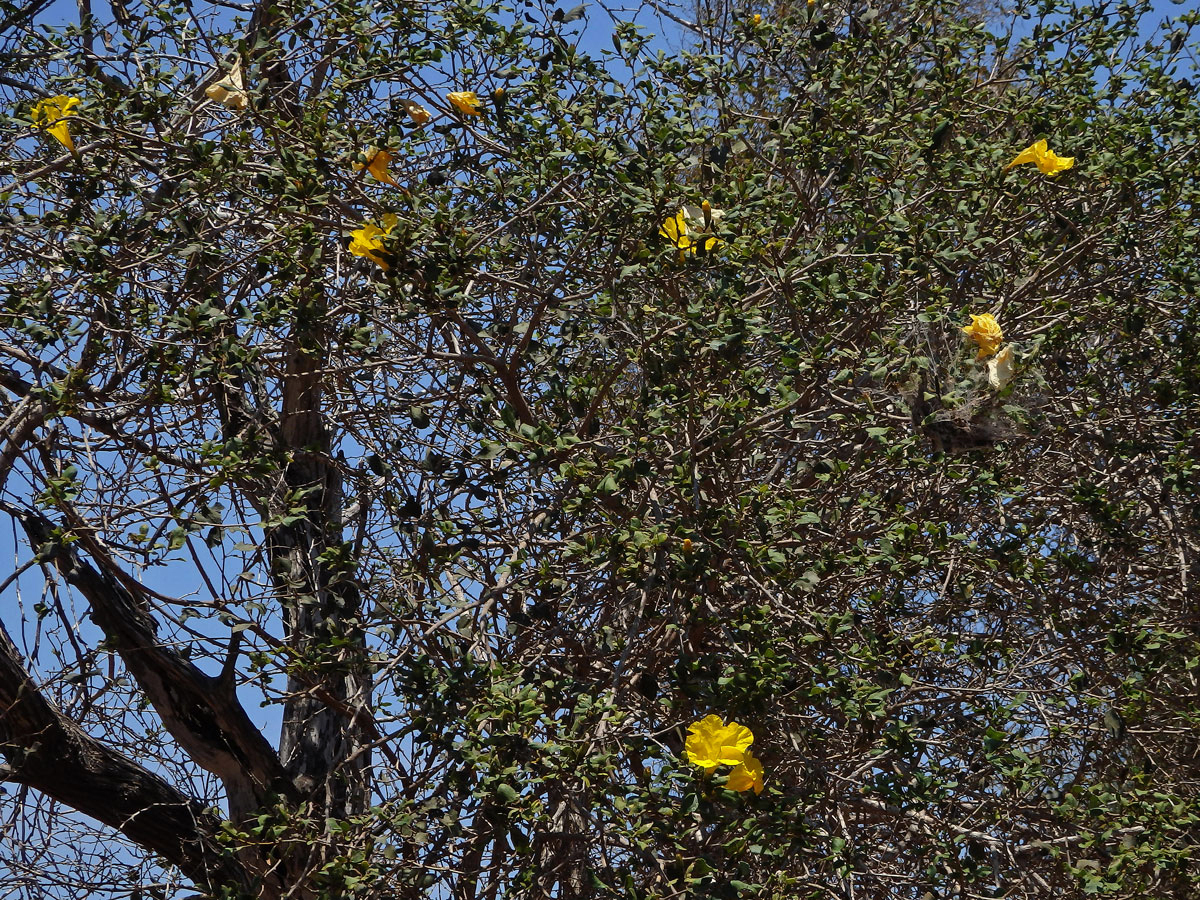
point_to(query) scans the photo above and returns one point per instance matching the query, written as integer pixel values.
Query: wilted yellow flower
(712, 743)
(749, 774)
(1047, 161)
(465, 102)
(377, 164)
(1000, 368)
(368, 241)
(51, 116)
(230, 90)
(416, 112)
(985, 331)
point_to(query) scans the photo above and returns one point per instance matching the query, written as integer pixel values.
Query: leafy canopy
(395, 524)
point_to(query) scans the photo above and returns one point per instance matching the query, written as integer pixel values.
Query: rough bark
(323, 745)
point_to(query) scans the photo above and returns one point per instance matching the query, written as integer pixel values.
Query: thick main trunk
(323, 743)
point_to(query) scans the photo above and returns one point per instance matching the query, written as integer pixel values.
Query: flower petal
(687, 228)
(1047, 161)
(712, 743)
(419, 114)
(1000, 368)
(748, 774)
(231, 90)
(377, 165)
(51, 116)
(675, 229)
(985, 331)
(366, 242)
(1052, 163)
(1030, 154)
(465, 102)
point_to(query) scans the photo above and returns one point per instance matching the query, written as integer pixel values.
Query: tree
(415, 422)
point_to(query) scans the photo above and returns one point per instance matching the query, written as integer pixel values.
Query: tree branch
(208, 721)
(41, 744)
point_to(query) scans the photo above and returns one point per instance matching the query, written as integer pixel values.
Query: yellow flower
(675, 230)
(416, 112)
(51, 116)
(368, 241)
(1000, 368)
(230, 90)
(377, 164)
(1047, 161)
(712, 743)
(985, 331)
(465, 102)
(692, 227)
(757, 19)
(747, 775)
